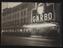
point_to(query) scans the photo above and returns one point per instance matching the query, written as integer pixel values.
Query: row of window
(17, 18)
(15, 15)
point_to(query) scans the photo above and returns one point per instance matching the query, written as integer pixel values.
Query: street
(33, 40)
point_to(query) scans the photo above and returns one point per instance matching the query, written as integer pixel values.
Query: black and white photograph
(30, 24)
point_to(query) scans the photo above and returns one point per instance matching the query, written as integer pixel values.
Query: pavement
(33, 40)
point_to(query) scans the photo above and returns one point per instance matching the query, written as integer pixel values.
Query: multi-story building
(14, 18)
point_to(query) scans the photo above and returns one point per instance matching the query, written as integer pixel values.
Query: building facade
(13, 19)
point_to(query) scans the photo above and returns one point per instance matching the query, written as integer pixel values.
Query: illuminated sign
(40, 8)
(43, 13)
(42, 17)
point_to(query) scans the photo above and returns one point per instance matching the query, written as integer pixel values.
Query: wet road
(33, 40)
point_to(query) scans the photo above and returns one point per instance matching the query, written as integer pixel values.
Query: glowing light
(21, 30)
(40, 8)
(40, 25)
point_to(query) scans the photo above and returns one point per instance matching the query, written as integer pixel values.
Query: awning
(43, 25)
